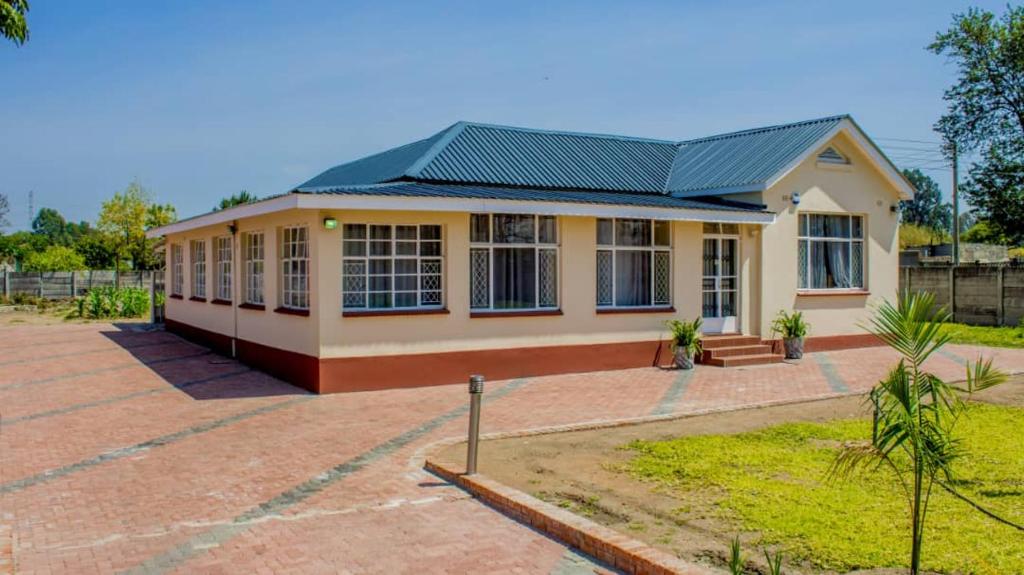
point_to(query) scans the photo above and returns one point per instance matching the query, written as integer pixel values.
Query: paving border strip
(220, 533)
(108, 369)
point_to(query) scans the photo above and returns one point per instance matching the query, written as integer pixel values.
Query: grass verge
(985, 335)
(773, 483)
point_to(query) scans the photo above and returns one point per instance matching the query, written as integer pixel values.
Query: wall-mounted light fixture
(330, 223)
(895, 208)
(795, 198)
(233, 228)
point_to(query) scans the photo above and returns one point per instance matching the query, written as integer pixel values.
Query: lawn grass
(773, 483)
(985, 335)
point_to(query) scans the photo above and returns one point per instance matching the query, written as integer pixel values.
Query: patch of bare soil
(578, 471)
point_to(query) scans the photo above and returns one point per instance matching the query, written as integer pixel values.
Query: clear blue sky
(198, 100)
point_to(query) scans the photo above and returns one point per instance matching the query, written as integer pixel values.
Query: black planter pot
(794, 347)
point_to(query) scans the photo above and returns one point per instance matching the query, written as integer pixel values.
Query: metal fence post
(476, 390)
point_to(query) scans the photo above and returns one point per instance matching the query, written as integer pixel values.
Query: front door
(721, 284)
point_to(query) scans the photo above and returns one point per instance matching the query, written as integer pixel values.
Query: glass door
(721, 284)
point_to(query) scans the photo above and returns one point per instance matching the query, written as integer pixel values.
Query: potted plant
(793, 329)
(685, 342)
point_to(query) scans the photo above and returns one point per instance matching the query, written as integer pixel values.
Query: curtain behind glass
(839, 263)
(515, 284)
(632, 278)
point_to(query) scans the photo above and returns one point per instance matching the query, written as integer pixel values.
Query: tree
(916, 413)
(51, 225)
(54, 259)
(913, 235)
(97, 251)
(983, 233)
(20, 244)
(242, 197)
(5, 208)
(125, 218)
(927, 208)
(986, 110)
(13, 25)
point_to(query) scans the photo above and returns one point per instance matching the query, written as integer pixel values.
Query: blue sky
(198, 100)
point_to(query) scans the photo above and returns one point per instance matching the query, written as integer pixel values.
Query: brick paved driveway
(128, 450)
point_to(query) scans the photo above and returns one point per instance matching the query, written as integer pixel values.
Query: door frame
(720, 324)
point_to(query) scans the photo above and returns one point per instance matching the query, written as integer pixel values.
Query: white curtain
(839, 263)
(632, 278)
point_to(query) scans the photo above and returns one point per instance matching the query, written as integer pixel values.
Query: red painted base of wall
(342, 374)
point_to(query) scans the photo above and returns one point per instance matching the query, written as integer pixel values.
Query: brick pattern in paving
(130, 450)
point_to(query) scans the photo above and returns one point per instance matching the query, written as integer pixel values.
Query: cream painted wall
(858, 189)
(293, 333)
(580, 324)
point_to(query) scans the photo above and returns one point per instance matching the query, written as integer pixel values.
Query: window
(197, 256)
(295, 267)
(831, 252)
(634, 263)
(513, 262)
(252, 244)
(222, 268)
(391, 267)
(177, 270)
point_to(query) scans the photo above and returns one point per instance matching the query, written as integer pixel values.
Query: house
(519, 252)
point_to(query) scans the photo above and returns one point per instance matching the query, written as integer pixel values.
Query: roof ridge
(450, 133)
(750, 131)
(569, 133)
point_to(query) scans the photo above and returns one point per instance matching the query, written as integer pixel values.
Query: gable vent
(831, 156)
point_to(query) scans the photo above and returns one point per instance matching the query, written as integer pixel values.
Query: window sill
(393, 312)
(175, 296)
(199, 299)
(514, 313)
(255, 306)
(615, 310)
(832, 293)
(292, 311)
(220, 301)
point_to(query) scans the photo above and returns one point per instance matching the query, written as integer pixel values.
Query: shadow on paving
(201, 373)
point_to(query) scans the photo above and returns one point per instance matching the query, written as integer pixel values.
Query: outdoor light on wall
(330, 223)
(795, 198)
(895, 208)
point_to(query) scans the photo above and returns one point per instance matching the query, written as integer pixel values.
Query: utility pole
(31, 207)
(956, 208)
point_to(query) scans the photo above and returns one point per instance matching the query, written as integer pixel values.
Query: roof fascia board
(280, 203)
(479, 205)
(860, 139)
(423, 161)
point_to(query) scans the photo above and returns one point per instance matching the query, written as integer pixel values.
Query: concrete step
(718, 341)
(744, 360)
(760, 349)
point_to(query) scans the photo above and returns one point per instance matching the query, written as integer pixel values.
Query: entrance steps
(735, 350)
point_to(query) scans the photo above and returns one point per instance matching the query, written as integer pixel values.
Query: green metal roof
(426, 190)
(489, 155)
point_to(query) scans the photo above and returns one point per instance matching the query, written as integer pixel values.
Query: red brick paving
(387, 516)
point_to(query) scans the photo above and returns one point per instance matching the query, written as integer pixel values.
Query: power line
(911, 141)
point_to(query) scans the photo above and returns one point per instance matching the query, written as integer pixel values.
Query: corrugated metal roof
(418, 189)
(746, 158)
(468, 153)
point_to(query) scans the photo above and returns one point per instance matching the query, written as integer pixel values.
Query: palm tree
(916, 412)
(242, 197)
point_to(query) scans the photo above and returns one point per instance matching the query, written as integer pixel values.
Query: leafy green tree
(13, 25)
(97, 250)
(20, 244)
(986, 110)
(913, 235)
(916, 412)
(54, 259)
(51, 225)
(927, 208)
(126, 217)
(983, 233)
(242, 197)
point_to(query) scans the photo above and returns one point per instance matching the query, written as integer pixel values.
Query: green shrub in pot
(793, 329)
(685, 342)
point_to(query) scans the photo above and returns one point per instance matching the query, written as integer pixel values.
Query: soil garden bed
(688, 486)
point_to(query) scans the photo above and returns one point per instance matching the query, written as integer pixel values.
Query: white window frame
(254, 246)
(489, 246)
(361, 282)
(653, 249)
(223, 264)
(294, 250)
(850, 241)
(197, 257)
(177, 270)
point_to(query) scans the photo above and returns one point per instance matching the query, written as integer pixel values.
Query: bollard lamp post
(476, 391)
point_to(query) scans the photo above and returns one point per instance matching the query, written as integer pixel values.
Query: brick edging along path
(600, 542)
